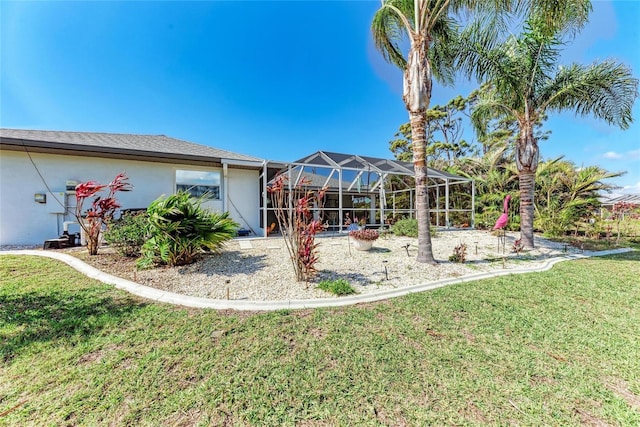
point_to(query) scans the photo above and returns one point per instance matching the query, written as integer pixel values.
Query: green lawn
(554, 348)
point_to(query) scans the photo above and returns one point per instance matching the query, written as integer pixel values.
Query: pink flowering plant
(102, 208)
(366, 235)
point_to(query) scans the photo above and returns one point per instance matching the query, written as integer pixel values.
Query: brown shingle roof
(151, 145)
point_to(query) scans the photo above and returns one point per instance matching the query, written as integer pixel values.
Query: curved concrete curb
(197, 302)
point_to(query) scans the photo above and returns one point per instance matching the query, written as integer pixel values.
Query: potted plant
(363, 239)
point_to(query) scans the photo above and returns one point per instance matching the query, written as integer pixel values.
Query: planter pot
(362, 245)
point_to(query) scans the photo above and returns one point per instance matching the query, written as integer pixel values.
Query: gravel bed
(260, 269)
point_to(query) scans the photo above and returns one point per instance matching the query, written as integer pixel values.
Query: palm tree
(526, 83)
(430, 28)
(565, 194)
(429, 31)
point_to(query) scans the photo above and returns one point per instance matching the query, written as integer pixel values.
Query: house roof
(149, 147)
(620, 198)
(373, 164)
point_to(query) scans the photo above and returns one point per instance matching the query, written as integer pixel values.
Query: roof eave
(107, 152)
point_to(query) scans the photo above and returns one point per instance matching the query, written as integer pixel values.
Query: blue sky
(275, 80)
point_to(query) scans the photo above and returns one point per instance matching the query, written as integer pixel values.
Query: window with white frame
(199, 183)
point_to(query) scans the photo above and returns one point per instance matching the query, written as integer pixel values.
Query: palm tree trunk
(418, 137)
(527, 183)
(416, 95)
(527, 157)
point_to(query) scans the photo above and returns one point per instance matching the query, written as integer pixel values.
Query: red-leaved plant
(101, 210)
(293, 210)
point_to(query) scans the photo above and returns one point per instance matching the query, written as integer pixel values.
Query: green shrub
(485, 220)
(128, 234)
(337, 287)
(180, 230)
(406, 227)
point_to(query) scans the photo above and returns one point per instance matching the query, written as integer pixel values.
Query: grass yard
(554, 348)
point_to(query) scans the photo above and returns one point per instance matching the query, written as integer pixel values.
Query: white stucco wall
(243, 198)
(25, 222)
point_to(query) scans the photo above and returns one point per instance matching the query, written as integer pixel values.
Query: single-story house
(39, 171)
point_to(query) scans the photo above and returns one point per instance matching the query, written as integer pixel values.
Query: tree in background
(526, 82)
(444, 132)
(566, 196)
(495, 176)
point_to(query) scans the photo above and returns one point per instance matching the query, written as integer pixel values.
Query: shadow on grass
(34, 317)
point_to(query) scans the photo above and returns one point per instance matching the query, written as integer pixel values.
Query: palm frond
(606, 90)
(390, 26)
(442, 53)
(477, 43)
(555, 16)
(489, 106)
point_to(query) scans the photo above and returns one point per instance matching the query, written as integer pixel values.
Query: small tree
(101, 210)
(293, 210)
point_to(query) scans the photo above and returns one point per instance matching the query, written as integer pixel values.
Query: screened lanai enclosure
(370, 191)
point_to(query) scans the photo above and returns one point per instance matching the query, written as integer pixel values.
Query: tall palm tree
(430, 28)
(526, 82)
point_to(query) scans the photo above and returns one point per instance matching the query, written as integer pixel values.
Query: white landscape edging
(198, 302)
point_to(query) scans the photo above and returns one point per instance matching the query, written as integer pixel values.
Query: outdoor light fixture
(40, 197)
(406, 248)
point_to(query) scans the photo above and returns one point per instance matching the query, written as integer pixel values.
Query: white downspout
(446, 201)
(225, 188)
(473, 204)
(340, 215)
(264, 198)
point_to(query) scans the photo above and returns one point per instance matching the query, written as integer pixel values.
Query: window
(199, 183)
